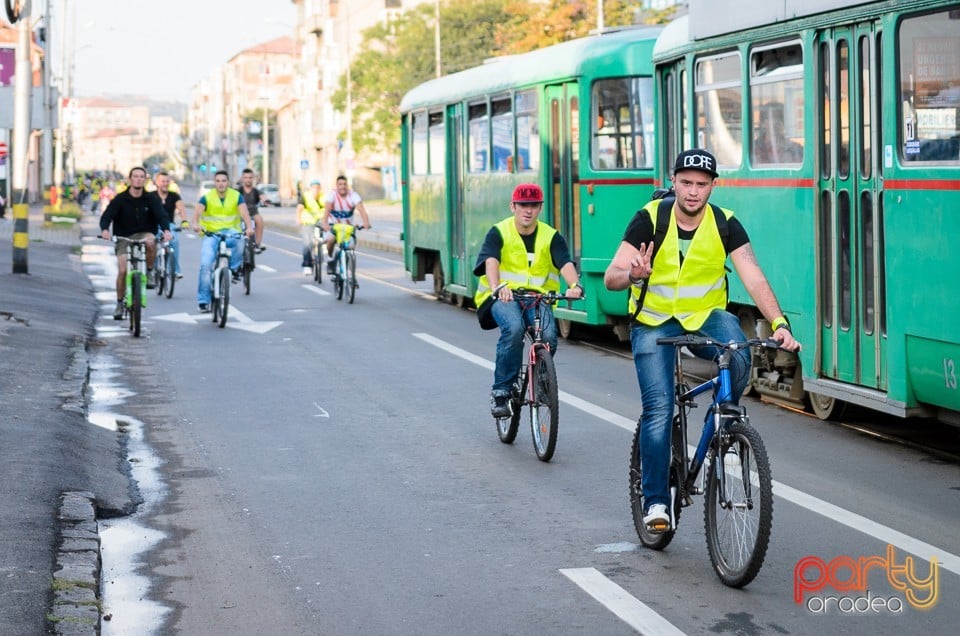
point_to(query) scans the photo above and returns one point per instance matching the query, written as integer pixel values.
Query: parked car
(205, 186)
(271, 194)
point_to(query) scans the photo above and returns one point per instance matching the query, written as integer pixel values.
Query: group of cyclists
(671, 259)
(144, 214)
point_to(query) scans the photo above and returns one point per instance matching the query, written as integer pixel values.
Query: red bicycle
(536, 385)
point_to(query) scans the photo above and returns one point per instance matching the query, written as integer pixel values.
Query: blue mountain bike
(738, 508)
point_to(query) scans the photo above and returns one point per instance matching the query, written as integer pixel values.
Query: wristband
(780, 322)
(632, 281)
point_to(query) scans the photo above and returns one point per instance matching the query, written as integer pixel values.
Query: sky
(163, 49)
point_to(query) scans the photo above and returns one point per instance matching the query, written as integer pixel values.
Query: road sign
(3, 149)
(304, 164)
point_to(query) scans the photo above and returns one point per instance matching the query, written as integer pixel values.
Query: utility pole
(436, 36)
(21, 136)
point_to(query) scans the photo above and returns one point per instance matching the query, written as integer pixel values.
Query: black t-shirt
(252, 199)
(640, 232)
(169, 204)
(131, 215)
(493, 246)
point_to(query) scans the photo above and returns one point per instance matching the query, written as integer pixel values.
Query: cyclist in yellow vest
(309, 213)
(686, 293)
(520, 252)
(219, 210)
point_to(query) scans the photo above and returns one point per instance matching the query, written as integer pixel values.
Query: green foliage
(398, 56)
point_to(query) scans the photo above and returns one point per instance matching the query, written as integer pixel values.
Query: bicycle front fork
(128, 292)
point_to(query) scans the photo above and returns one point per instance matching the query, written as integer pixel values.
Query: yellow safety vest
(515, 270)
(687, 292)
(221, 215)
(312, 210)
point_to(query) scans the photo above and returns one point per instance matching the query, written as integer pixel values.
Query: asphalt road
(326, 468)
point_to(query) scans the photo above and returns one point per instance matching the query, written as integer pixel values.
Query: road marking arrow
(236, 319)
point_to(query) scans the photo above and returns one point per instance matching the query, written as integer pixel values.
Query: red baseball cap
(527, 193)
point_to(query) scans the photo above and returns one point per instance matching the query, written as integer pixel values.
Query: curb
(76, 578)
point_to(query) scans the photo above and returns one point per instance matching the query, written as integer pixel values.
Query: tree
(400, 55)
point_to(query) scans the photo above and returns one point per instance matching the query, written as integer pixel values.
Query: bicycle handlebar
(126, 239)
(549, 298)
(222, 234)
(690, 340)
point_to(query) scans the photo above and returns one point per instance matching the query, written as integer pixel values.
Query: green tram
(836, 126)
(576, 117)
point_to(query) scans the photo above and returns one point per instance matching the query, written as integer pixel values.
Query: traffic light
(213, 168)
(203, 167)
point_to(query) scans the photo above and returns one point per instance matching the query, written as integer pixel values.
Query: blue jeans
(208, 255)
(654, 364)
(513, 321)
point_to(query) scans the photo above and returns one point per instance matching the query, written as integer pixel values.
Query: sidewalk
(57, 469)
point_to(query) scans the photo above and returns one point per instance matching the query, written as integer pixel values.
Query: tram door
(460, 271)
(850, 208)
(563, 139)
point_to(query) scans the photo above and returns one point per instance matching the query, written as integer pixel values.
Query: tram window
(622, 125)
(418, 156)
(826, 258)
(777, 105)
(843, 97)
(478, 145)
(528, 132)
(844, 238)
(719, 115)
(438, 144)
(866, 249)
(502, 125)
(826, 113)
(866, 99)
(574, 104)
(929, 88)
(669, 91)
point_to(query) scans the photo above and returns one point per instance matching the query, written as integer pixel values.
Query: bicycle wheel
(738, 511)
(545, 410)
(652, 540)
(159, 271)
(507, 427)
(338, 278)
(224, 295)
(351, 275)
(170, 274)
(318, 263)
(136, 303)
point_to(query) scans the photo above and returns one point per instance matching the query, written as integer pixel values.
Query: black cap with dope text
(696, 159)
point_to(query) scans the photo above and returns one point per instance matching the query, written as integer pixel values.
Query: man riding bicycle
(520, 252)
(681, 287)
(341, 204)
(173, 205)
(219, 210)
(136, 215)
(309, 213)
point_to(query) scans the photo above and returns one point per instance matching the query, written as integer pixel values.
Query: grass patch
(62, 585)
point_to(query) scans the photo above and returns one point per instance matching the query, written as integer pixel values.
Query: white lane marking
(922, 549)
(267, 268)
(315, 289)
(629, 609)
(926, 551)
(322, 411)
(587, 407)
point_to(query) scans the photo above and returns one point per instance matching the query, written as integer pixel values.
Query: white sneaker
(307, 271)
(656, 519)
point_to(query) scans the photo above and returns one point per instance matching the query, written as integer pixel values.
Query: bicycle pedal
(696, 490)
(687, 500)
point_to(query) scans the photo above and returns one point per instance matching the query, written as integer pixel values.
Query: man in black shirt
(173, 205)
(135, 216)
(253, 198)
